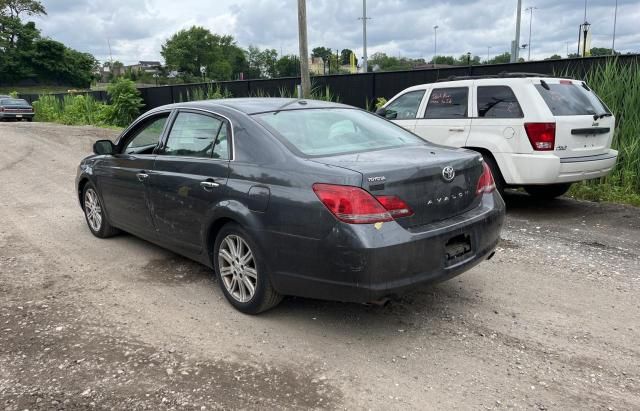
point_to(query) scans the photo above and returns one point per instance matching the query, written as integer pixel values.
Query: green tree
(288, 66)
(602, 51)
(260, 63)
(501, 58)
(322, 52)
(345, 57)
(188, 50)
(554, 57)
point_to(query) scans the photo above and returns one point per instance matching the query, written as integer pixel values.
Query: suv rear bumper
(533, 169)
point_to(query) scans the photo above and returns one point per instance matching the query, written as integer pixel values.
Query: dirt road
(552, 322)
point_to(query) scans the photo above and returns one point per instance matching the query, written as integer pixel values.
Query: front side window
(405, 107)
(147, 136)
(321, 132)
(498, 102)
(195, 135)
(448, 103)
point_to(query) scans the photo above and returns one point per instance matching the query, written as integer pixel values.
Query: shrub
(48, 108)
(125, 103)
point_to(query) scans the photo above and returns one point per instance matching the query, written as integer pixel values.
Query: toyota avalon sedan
(294, 197)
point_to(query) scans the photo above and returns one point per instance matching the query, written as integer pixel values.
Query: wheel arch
(232, 212)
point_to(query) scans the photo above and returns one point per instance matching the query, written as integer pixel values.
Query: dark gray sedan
(15, 109)
(294, 197)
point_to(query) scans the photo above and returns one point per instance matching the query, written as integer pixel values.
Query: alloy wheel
(92, 209)
(237, 268)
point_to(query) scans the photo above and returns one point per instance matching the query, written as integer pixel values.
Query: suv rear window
(571, 100)
(498, 102)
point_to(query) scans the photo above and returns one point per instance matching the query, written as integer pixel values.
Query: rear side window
(448, 103)
(195, 135)
(498, 102)
(405, 107)
(571, 100)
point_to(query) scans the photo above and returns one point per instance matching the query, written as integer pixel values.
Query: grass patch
(618, 85)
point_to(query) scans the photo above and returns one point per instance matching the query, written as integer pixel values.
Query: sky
(136, 29)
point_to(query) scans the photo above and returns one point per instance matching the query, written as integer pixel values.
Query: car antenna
(545, 85)
(287, 104)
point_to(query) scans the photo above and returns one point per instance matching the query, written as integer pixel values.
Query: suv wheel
(547, 192)
(241, 271)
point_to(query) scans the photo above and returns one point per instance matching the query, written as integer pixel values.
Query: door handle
(457, 129)
(142, 176)
(209, 185)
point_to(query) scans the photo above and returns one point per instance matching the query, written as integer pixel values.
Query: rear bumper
(532, 169)
(15, 116)
(359, 263)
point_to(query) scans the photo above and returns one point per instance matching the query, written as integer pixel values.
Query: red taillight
(1, 109)
(350, 204)
(486, 184)
(541, 135)
(354, 205)
(395, 206)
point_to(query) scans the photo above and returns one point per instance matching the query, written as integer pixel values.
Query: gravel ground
(551, 322)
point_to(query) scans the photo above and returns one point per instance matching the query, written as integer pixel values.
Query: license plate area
(457, 249)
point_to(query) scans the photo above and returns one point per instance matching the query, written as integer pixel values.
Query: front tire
(241, 271)
(94, 213)
(547, 192)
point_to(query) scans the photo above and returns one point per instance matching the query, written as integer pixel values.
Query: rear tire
(547, 192)
(94, 213)
(241, 271)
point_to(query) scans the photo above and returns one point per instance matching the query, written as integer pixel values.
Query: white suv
(536, 132)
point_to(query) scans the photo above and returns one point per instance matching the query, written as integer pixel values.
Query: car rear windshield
(571, 100)
(14, 102)
(322, 132)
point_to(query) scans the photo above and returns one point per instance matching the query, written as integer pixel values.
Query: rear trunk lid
(584, 125)
(416, 174)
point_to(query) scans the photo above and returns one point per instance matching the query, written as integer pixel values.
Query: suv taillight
(541, 135)
(486, 184)
(353, 205)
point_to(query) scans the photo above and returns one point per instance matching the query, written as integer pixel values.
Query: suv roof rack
(504, 74)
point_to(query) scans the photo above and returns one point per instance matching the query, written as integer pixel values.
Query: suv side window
(405, 107)
(147, 136)
(498, 102)
(194, 135)
(448, 103)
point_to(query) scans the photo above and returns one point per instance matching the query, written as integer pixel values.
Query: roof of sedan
(263, 104)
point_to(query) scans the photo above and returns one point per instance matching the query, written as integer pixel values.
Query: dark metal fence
(360, 90)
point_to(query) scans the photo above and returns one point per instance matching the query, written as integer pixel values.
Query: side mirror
(388, 114)
(103, 147)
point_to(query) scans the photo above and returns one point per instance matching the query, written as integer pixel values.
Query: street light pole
(488, 53)
(304, 53)
(364, 18)
(516, 44)
(530, 9)
(615, 18)
(435, 43)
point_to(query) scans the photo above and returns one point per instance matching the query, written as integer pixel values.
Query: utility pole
(615, 18)
(304, 53)
(435, 43)
(516, 44)
(364, 18)
(530, 9)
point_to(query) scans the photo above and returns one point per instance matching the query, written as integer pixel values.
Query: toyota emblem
(448, 173)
